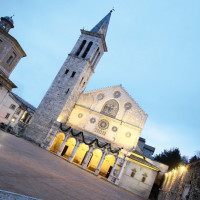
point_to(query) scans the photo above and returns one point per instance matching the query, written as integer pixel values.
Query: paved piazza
(27, 169)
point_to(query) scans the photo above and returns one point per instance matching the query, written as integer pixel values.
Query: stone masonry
(67, 85)
(182, 184)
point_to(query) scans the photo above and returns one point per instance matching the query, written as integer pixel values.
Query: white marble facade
(110, 114)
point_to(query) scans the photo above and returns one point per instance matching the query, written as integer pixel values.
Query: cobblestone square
(30, 170)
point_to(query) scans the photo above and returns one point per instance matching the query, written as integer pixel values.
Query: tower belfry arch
(70, 81)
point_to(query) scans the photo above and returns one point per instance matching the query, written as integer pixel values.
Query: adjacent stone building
(182, 183)
(14, 110)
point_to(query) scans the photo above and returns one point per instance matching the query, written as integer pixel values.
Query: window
(66, 71)
(81, 80)
(7, 116)
(11, 58)
(83, 84)
(95, 55)
(133, 173)
(110, 108)
(30, 116)
(12, 106)
(67, 91)
(144, 177)
(73, 74)
(1, 41)
(18, 111)
(96, 59)
(87, 49)
(80, 48)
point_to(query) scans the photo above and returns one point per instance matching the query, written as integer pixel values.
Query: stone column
(48, 142)
(62, 145)
(121, 171)
(73, 152)
(111, 176)
(100, 163)
(87, 157)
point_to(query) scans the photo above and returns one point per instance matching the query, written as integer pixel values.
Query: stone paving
(30, 170)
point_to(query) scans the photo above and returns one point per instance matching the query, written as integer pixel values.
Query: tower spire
(102, 26)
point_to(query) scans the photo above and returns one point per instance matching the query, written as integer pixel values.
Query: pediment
(114, 102)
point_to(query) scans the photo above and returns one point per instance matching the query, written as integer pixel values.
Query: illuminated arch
(107, 165)
(69, 146)
(95, 159)
(80, 153)
(57, 142)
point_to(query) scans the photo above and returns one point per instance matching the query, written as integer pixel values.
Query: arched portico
(107, 165)
(95, 159)
(68, 148)
(57, 142)
(80, 153)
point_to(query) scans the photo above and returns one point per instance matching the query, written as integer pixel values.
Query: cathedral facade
(97, 130)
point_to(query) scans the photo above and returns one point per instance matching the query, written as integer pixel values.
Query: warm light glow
(96, 157)
(13, 119)
(107, 164)
(170, 173)
(57, 142)
(174, 171)
(182, 168)
(166, 174)
(80, 153)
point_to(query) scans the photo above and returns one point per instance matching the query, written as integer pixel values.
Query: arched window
(95, 55)
(144, 176)
(87, 50)
(110, 108)
(96, 59)
(133, 173)
(80, 48)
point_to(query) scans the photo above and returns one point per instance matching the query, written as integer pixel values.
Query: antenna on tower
(112, 10)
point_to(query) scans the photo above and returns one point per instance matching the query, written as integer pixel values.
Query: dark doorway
(64, 150)
(107, 175)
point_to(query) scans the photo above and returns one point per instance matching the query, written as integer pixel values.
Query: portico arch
(80, 153)
(107, 165)
(69, 146)
(57, 142)
(95, 159)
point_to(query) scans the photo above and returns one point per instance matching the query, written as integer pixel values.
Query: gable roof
(122, 88)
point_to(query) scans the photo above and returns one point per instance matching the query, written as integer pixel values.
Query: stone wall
(182, 183)
(132, 176)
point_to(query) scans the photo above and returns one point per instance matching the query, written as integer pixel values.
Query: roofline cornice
(96, 35)
(14, 41)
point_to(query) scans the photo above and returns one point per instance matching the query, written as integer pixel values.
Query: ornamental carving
(128, 134)
(80, 115)
(117, 94)
(127, 106)
(114, 129)
(100, 96)
(92, 120)
(110, 108)
(103, 124)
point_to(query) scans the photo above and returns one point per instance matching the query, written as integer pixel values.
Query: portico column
(73, 152)
(100, 163)
(121, 171)
(113, 169)
(62, 145)
(53, 131)
(87, 157)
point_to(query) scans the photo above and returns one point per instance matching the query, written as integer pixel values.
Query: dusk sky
(153, 51)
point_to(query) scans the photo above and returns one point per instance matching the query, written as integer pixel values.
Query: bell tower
(70, 81)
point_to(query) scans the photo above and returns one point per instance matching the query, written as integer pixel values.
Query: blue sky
(153, 51)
